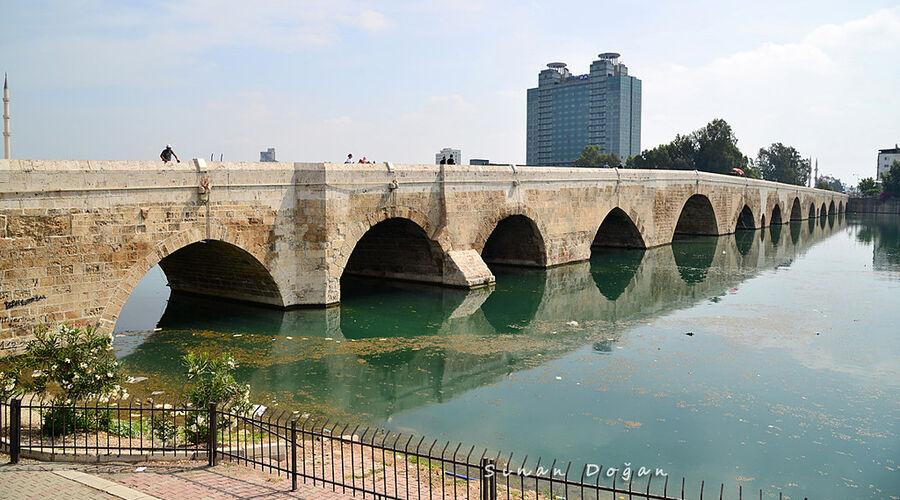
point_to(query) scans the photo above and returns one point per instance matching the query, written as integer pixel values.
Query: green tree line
(713, 148)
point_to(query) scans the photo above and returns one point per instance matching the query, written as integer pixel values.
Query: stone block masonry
(77, 236)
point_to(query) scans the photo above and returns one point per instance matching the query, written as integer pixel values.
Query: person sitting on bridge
(349, 158)
(443, 160)
(167, 154)
(451, 161)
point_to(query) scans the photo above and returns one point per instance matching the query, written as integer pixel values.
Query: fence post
(293, 455)
(488, 479)
(15, 430)
(213, 437)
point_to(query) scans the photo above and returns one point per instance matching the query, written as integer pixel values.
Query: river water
(767, 359)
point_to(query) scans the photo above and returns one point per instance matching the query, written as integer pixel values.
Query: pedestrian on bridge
(167, 154)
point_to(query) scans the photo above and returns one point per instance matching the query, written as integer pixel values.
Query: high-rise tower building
(568, 112)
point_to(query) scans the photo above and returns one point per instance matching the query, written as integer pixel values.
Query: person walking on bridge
(167, 154)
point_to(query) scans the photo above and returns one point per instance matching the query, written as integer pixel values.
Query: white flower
(67, 360)
(109, 374)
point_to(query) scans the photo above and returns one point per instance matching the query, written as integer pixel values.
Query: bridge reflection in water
(393, 346)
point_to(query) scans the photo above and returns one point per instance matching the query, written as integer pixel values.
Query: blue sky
(398, 81)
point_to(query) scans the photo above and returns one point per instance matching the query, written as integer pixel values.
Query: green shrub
(71, 364)
(61, 420)
(213, 383)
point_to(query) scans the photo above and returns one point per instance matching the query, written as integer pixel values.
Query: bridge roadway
(77, 236)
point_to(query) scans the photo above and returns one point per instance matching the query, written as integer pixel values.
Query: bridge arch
(697, 218)
(396, 248)
(812, 210)
(831, 208)
(823, 212)
(515, 240)
(796, 211)
(224, 263)
(745, 219)
(356, 230)
(618, 230)
(776, 215)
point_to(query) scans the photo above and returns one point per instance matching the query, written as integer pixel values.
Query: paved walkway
(179, 480)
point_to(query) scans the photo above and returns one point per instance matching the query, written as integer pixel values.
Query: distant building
(475, 161)
(267, 155)
(886, 158)
(445, 153)
(568, 112)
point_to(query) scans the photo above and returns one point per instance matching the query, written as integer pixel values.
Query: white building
(886, 158)
(446, 153)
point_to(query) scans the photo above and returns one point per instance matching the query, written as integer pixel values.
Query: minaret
(5, 118)
(817, 173)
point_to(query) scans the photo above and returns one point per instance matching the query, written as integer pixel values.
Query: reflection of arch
(250, 255)
(823, 211)
(697, 217)
(744, 241)
(397, 248)
(796, 211)
(693, 257)
(812, 210)
(618, 230)
(515, 241)
(424, 308)
(822, 219)
(745, 219)
(613, 270)
(776, 215)
(812, 224)
(508, 308)
(775, 232)
(795, 231)
(831, 208)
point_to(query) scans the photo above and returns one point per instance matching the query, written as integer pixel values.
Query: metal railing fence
(352, 459)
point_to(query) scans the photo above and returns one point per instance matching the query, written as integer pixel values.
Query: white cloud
(819, 94)
(368, 20)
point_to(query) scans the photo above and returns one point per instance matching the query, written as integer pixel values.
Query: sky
(398, 81)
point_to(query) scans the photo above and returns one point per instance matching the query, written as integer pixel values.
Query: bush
(163, 428)
(71, 364)
(60, 420)
(213, 383)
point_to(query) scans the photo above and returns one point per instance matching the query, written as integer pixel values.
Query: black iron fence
(351, 459)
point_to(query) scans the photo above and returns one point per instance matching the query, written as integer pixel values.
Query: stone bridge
(77, 236)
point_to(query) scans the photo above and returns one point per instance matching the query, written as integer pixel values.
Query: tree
(782, 163)
(868, 187)
(593, 156)
(712, 148)
(830, 183)
(890, 180)
(716, 148)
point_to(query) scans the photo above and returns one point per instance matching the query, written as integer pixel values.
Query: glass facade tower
(568, 112)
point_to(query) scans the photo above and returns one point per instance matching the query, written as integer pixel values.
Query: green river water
(767, 359)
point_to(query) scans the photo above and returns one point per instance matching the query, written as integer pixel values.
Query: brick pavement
(181, 480)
